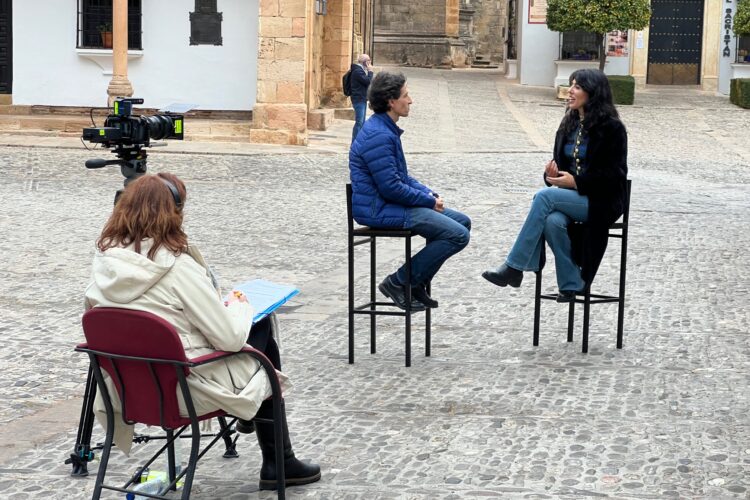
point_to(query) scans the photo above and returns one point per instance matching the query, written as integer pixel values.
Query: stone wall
(418, 33)
(280, 112)
(415, 17)
(489, 23)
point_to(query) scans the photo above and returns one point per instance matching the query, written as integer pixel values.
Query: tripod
(132, 162)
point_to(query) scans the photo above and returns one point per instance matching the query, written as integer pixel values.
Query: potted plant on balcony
(105, 30)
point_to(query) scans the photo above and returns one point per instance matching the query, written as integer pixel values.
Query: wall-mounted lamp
(321, 7)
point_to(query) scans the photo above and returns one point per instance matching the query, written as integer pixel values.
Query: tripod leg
(82, 453)
(231, 449)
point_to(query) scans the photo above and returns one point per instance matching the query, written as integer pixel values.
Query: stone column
(280, 112)
(119, 86)
(337, 51)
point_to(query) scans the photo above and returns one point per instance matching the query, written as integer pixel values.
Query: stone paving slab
(488, 415)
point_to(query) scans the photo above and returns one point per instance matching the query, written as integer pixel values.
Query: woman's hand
(563, 180)
(235, 296)
(551, 169)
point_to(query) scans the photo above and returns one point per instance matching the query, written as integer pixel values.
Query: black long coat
(604, 182)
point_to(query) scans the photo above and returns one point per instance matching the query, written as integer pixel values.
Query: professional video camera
(128, 134)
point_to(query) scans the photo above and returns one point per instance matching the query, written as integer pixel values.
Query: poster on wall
(537, 11)
(617, 43)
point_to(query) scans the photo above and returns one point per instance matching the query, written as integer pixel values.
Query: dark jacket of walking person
(144, 263)
(360, 81)
(384, 195)
(588, 183)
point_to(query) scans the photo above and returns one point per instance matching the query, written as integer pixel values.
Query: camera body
(122, 127)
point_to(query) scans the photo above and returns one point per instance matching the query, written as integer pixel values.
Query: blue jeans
(360, 110)
(447, 233)
(551, 211)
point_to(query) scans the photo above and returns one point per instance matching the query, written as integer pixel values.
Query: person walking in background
(587, 179)
(361, 75)
(385, 196)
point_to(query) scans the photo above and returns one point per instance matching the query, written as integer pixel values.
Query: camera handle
(132, 161)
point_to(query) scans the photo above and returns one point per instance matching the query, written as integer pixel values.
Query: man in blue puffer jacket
(385, 196)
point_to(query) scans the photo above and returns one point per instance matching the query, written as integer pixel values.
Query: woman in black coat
(587, 183)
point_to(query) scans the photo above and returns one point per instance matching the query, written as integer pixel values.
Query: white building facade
(687, 43)
(210, 60)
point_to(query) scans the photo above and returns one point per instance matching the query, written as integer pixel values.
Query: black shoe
(566, 296)
(504, 276)
(420, 293)
(244, 426)
(397, 293)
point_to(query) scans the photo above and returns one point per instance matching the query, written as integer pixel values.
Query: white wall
(538, 50)
(47, 69)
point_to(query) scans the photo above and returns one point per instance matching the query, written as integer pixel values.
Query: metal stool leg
(351, 298)
(373, 265)
(427, 327)
(407, 316)
(571, 320)
(586, 308)
(537, 306)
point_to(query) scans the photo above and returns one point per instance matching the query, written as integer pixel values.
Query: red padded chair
(143, 355)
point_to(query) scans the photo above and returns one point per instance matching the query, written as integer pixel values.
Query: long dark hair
(600, 106)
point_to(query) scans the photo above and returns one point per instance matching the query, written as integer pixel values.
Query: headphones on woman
(174, 191)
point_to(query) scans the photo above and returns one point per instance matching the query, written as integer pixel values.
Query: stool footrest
(595, 299)
(367, 309)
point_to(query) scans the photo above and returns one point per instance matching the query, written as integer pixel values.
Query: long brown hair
(147, 209)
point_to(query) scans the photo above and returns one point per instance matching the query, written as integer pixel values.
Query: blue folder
(266, 296)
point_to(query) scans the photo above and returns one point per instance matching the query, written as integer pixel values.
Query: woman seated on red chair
(144, 263)
(587, 180)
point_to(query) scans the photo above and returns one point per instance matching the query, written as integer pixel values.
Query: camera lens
(159, 126)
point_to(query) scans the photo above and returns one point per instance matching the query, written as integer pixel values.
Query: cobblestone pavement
(487, 415)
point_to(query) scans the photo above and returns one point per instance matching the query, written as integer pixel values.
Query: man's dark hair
(385, 86)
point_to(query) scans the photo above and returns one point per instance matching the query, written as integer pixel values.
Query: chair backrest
(147, 385)
(349, 216)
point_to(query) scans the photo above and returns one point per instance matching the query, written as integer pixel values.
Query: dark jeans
(360, 110)
(447, 233)
(260, 337)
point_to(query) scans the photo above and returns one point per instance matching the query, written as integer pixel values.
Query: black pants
(260, 337)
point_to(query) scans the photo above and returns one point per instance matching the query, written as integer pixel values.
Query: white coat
(179, 289)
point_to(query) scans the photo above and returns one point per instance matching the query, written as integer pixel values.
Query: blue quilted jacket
(381, 187)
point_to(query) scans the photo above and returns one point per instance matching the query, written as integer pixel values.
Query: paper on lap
(266, 296)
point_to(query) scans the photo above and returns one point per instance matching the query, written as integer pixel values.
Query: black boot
(295, 471)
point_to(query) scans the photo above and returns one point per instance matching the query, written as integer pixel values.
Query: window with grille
(95, 24)
(743, 49)
(579, 45)
(205, 24)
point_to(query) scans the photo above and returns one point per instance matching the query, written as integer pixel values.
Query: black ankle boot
(504, 276)
(296, 472)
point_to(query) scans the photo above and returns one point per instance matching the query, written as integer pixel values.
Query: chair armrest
(81, 346)
(208, 358)
(217, 355)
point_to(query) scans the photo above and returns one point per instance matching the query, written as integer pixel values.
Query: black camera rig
(127, 134)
